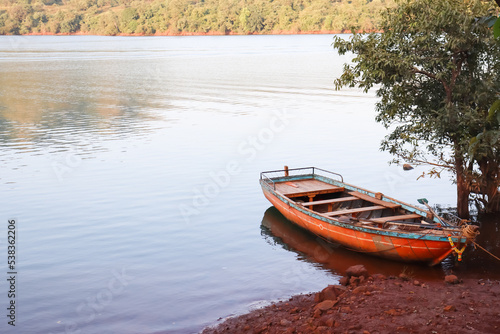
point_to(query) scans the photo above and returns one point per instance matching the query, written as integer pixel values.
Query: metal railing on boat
(268, 176)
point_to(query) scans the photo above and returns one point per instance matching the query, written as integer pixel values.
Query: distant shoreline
(188, 18)
(210, 33)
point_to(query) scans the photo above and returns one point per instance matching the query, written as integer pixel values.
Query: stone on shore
(451, 279)
(331, 292)
(357, 271)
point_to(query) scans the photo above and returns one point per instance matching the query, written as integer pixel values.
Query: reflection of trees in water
(46, 105)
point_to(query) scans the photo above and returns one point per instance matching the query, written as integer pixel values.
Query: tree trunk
(493, 203)
(463, 191)
(489, 183)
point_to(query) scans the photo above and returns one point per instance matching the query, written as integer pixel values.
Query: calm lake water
(131, 167)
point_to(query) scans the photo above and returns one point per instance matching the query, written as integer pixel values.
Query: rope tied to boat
(470, 232)
(476, 244)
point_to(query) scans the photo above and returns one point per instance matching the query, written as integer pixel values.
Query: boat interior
(349, 205)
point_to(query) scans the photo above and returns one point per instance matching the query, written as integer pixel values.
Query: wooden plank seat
(330, 201)
(374, 200)
(316, 192)
(356, 210)
(395, 218)
(307, 187)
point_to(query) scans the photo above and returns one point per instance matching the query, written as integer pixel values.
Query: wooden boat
(319, 201)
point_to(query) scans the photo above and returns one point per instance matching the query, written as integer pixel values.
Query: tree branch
(432, 164)
(432, 76)
(428, 74)
(457, 72)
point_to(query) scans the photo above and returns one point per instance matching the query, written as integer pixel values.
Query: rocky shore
(364, 303)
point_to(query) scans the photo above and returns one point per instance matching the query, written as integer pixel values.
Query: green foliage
(111, 17)
(436, 80)
(496, 28)
(128, 20)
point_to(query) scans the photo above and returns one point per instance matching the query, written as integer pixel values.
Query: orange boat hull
(394, 246)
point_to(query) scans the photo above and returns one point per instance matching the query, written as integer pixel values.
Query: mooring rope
(476, 244)
(470, 232)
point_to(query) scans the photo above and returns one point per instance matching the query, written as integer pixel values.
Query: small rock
(317, 313)
(285, 322)
(354, 280)
(404, 277)
(262, 330)
(407, 167)
(392, 312)
(417, 283)
(357, 271)
(344, 281)
(331, 292)
(451, 279)
(330, 322)
(346, 309)
(325, 305)
(449, 308)
(379, 277)
(361, 289)
(294, 310)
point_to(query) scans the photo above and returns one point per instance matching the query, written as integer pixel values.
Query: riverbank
(209, 33)
(379, 304)
(110, 17)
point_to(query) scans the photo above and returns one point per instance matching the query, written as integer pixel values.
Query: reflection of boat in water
(311, 248)
(359, 219)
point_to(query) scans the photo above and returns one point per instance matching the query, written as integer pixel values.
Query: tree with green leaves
(436, 68)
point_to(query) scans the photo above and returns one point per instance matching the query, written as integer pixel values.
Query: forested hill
(171, 17)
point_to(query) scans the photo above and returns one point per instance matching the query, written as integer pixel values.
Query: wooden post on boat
(286, 171)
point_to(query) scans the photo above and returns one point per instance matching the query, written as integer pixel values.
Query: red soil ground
(376, 304)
